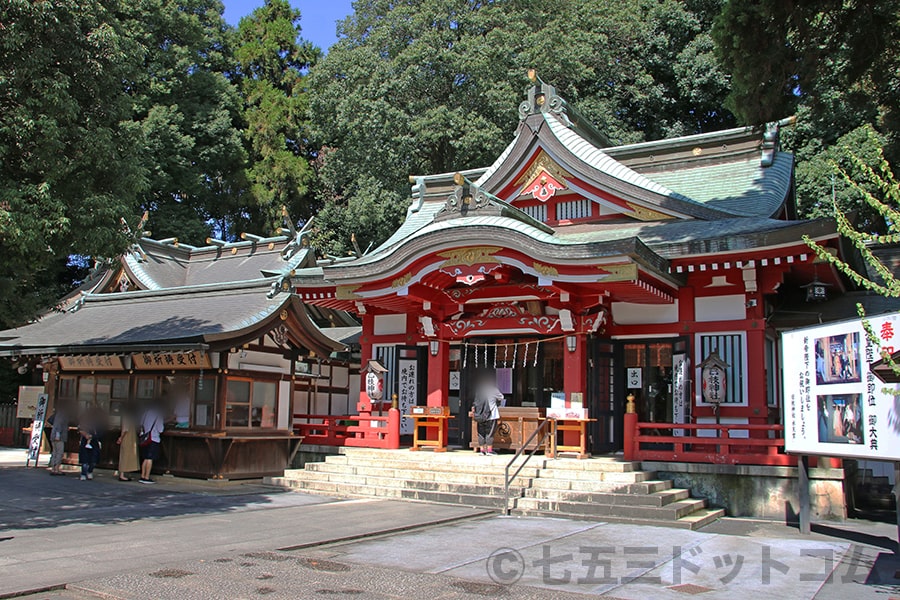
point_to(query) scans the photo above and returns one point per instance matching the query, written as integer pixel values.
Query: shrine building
(582, 272)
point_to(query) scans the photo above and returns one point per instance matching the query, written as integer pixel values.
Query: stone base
(758, 491)
(310, 453)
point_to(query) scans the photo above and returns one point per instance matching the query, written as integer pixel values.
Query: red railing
(365, 431)
(758, 444)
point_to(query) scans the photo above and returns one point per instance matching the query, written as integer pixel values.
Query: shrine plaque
(91, 362)
(171, 361)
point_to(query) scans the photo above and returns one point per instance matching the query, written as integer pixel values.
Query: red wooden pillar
(574, 378)
(438, 387)
(756, 375)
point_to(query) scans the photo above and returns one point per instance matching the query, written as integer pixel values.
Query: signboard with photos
(834, 405)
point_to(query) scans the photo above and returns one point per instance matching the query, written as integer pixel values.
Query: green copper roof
(741, 187)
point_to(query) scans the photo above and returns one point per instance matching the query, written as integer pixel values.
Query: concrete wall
(755, 491)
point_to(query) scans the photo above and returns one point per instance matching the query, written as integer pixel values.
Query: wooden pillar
(438, 386)
(756, 376)
(574, 378)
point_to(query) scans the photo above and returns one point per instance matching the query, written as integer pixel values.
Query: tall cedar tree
(273, 60)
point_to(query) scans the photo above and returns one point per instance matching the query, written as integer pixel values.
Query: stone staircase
(604, 489)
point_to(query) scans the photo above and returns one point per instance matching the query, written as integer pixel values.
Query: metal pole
(803, 481)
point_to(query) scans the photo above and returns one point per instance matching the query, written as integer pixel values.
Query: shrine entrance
(605, 397)
(648, 368)
(529, 371)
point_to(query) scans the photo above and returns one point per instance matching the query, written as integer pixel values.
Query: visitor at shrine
(486, 411)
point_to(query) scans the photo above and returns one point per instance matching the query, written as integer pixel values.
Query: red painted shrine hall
(582, 273)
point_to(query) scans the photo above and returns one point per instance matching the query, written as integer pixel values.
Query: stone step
(425, 456)
(401, 466)
(620, 477)
(670, 512)
(476, 484)
(341, 490)
(662, 498)
(412, 474)
(695, 520)
(603, 464)
(577, 485)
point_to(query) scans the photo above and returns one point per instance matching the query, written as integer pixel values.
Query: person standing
(128, 452)
(486, 412)
(59, 433)
(151, 428)
(88, 447)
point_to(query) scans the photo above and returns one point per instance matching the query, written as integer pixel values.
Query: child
(88, 450)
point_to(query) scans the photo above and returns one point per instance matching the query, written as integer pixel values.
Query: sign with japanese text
(37, 429)
(91, 362)
(193, 359)
(634, 377)
(834, 405)
(679, 390)
(407, 392)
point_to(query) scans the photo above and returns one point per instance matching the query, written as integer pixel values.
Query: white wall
(720, 308)
(630, 313)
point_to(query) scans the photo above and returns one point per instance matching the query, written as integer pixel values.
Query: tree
(429, 86)
(189, 115)
(67, 146)
(272, 60)
(873, 180)
(835, 64)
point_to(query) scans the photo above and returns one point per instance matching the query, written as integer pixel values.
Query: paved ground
(186, 539)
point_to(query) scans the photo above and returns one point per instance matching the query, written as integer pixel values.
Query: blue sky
(318, 17)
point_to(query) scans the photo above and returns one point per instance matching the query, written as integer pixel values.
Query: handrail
(506, 478)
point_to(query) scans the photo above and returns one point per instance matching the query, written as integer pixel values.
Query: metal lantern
(816, 291)
(714, 376)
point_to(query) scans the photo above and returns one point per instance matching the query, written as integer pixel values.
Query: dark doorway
(605, 400)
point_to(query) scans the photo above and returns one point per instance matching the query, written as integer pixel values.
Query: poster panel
(679, 390)
(37, 429)
(407, 392)
(834, 405)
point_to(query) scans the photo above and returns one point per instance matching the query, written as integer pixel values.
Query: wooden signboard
(28, 400)
(91, 362)
(171, 361)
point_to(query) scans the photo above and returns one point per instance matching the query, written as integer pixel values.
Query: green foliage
(67, 149)
(872, 178)
(272, 62)
(189, 115)
(833, 63)
(429, 86)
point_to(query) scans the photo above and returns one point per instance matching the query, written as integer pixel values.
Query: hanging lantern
(714, 376)
(375, 380)
(816, 291)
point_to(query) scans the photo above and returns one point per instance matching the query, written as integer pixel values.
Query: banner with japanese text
(834, 405)
(407, 391)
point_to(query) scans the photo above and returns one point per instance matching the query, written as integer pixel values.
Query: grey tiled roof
(168, 267)
(192, 315)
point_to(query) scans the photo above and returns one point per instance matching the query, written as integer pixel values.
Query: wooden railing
(758, 444)
(324, 430)
(363, 431)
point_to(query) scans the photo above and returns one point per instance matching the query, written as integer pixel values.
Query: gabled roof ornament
(300, 238)
(136, 236)
(542, 97)
(771, 140)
